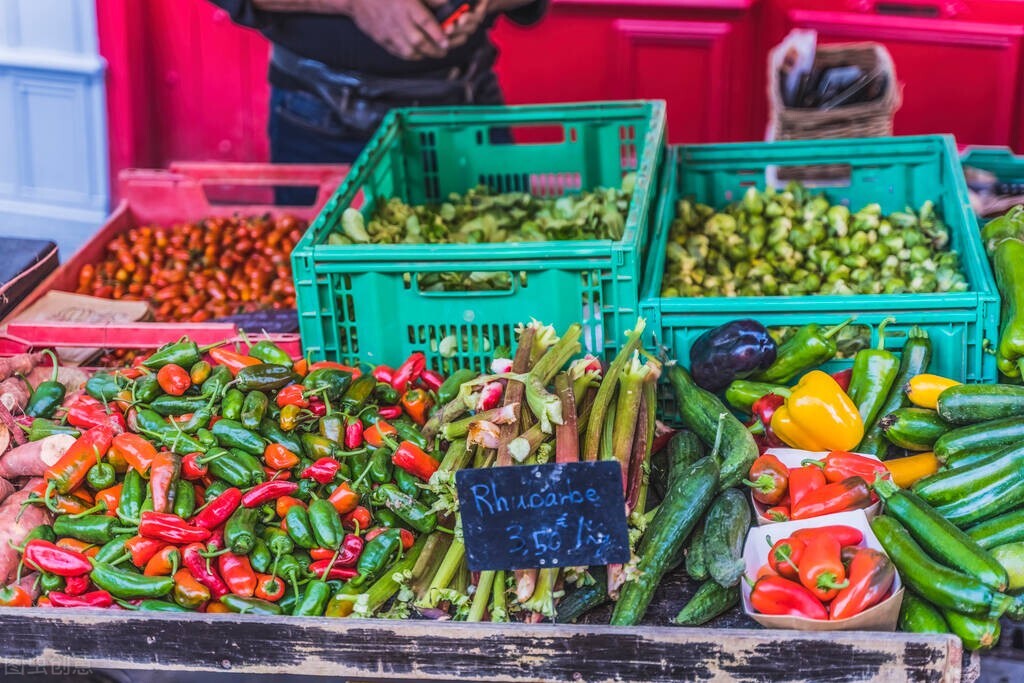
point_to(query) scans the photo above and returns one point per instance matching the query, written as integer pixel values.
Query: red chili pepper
(840, 465)
(317, 406)
(292, 395)
(93, 599)
(383, 374)
(407, 538)
(414, 460)
(193, 468)
(846, 535)
(409, 371)
(353, 433)
(375, 434)
(762, 410)
(431, 380)
(173, 379)
(359, 516)
(170, 528)
(778, 513)
(217, 511)
(163, 475)
(843, 378)
(417, 404)
(69, 472)
(196, 563)
(849, 494)
(871, 576)
(267, 491)
(769, 479)
(216, 540)
(804, 480)
(231, 360)
(821, 567)
(331, 365)
(137, 451)
(335, 573)
(238, 574)
(47, 557)
(776, 595)
(389, 412)
(269, 587)
(141, 550)
(85, 412)
(322, 471)
(785, 556)
(76, 585)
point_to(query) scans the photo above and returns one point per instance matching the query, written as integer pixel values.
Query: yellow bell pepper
(905, 471)
(818, 416)
(923, 390)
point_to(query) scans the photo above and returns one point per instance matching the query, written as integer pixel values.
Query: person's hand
(405, 28)
(468, 24)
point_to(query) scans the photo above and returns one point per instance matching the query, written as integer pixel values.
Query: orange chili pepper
(375, 435)
(417, 404)
(87, 549)
(285, 503)
(323, 553)
(269, 587)
(71, 504)
(135, 450)
(110, 497)
(217, 608)
(343, 498)
(277, 475)
(69, 471)
(232, 360)
(279, 457)
(164, 563)
(301, 367)
(173, 379)
(358, 517)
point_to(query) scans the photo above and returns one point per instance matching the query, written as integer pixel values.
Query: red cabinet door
(960, 69)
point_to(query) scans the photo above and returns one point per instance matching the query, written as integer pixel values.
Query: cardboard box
(881, 617)
(792, 457)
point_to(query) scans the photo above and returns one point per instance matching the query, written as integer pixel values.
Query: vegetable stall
(821, 360)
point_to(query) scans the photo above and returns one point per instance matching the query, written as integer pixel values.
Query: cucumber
(1006, 528)
(975, 633)
(1005, 432)
(951, 486)
(696, 566)
(973, 403)
(916, 429)
(701, 411)
(725, 530)
(685, 503)
(710, 600)
(986, 503)
(584, 598)
(682, 450)
(917, 354)
(1011, 557)
(1016, 610)
(943, 587)
(972, 457)
(939, 537)
(917, 615)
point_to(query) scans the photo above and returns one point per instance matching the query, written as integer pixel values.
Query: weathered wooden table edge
(428, 650)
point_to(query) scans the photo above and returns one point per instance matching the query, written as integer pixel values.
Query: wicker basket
(862, 120)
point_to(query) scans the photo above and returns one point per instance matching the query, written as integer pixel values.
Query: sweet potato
(21, 364)
(32, 459)
(14, 394)
(5, 438)
(6, 489)
(72, 378)
(14, 529)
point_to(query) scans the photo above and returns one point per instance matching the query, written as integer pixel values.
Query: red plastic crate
(185, 192)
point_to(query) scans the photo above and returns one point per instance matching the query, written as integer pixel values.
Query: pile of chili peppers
(822, 573)
(217, 480)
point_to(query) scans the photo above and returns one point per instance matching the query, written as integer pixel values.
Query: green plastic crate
(362, 302)
(895, 172)
(1007, 166)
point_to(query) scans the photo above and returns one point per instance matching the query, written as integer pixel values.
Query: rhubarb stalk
(603, 400)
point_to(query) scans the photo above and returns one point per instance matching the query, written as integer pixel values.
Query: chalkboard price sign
(560, 515)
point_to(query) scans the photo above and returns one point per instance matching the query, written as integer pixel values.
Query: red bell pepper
(163, 476)
(778, 513)
(776, 595)
(69, 472)
(769, 479)
(821, 567)
(238, 574)
(414, 460)
(804, 480)
(846, 535)
(195, 562)
(785, 556)
(840, 465)
(170, 528)
(409, 371)
(848, 494)
(353, 433)
(217, 511)
(871, 575)
(267, 491)
(99, 599)
(48, 557)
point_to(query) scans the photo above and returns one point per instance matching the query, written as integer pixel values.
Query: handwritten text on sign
(561, 515)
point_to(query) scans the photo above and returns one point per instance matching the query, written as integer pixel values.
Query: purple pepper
(735, 350)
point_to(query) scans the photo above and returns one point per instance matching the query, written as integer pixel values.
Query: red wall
(185, 83)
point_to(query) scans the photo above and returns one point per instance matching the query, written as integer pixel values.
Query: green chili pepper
(42, 428)
(51, 582)
(451, 386)
(48, 395)
(314, 600)
(243, 605)
(407, 483)
(236, 467)
(240, 530)
(409, 431)
(147, 502)
(303, 559)
(269, 352)
(278, 541)
(299, 528)
(199, 418)
(332, 428)
(253, 409)
(264, 377)
(307, 488)
(288, 568)
(177, 405)
(408, 509)
(112, 550)
(260, 557)
(146, 388)
(386, 518)
(217, 487)
(150, 424)
(316, 446)
(326, 523)
(386, 394)
(328, 383)
(810, 347)
(153, 606)
(90, 528)
(380, 466)
(231, 406)
(874, 371)
(273, 433)
(128, 585)
(184, 353)
(377, 555)
(133, 490)
(101, 476)
(217, 381)
(289, 600)
(184, 498)
(358, 393)
(43, 532)
(231, 434)
(103, 386)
